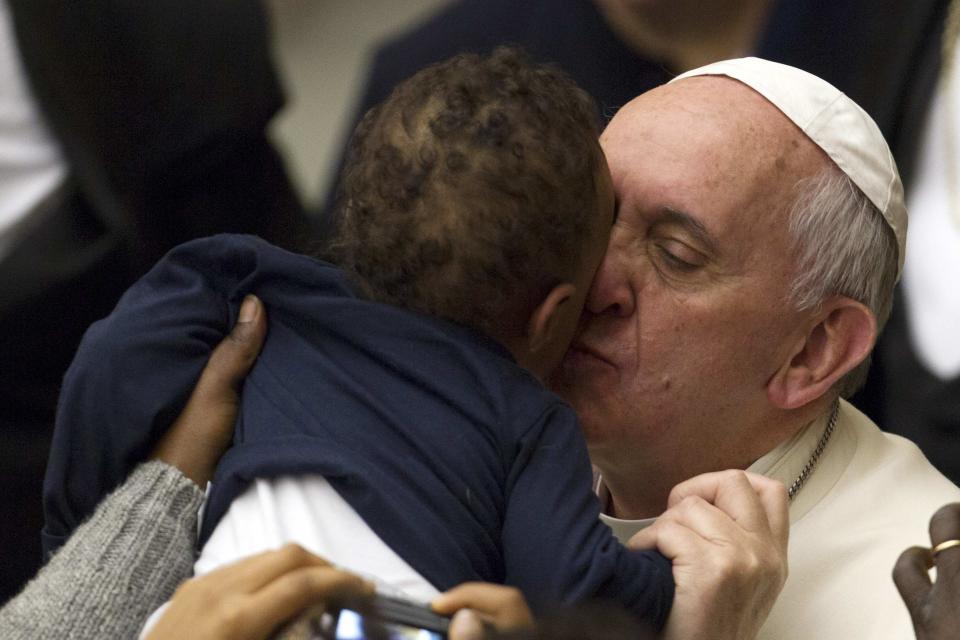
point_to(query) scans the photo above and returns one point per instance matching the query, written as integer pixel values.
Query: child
(396, 421)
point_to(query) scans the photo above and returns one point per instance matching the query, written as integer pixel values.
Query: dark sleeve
(133, 373)
(555, 548)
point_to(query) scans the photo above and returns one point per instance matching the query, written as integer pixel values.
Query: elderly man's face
(686, 320)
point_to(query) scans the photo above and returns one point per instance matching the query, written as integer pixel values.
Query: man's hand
(204, 429)
(726, 534)
(934, 607)
(249, 599)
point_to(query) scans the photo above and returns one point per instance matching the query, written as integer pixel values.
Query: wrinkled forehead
(714, 148)
(711, 128)
(704, 112)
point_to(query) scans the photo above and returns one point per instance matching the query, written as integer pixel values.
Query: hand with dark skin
(934, 606)
(204, 430)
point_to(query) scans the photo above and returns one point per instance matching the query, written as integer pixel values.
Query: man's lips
(580, 352)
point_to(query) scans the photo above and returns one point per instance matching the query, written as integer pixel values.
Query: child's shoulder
(227, 245)
(233, 257)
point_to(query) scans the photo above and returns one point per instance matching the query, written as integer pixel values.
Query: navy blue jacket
(459, 459)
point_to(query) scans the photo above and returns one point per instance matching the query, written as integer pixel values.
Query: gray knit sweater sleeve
(120, 565)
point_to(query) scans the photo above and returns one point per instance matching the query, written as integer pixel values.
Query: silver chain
(817, 452)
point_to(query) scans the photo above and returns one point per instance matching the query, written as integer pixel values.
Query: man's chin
(579, 391)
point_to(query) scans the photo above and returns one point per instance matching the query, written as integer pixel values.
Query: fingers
(727, 508)
(466, 625)
(295, 590)
(671, 538)
(944, 526)
(247, 600)
(504, 606)
(776, 505)
(250, 574)
(753, 501)
(485, 598)
(912, 577)
(706, 520)
(729, 556)
(730, 490)
(696, 534)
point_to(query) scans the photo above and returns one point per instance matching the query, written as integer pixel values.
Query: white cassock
(870, 497)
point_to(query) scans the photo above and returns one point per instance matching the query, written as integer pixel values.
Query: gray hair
(843, 246)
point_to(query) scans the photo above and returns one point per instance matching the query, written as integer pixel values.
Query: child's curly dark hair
(468, 194)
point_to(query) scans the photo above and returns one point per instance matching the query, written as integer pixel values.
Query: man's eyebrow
(692, 225)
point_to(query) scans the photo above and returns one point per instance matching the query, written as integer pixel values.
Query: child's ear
(545, 318)
(841, 336)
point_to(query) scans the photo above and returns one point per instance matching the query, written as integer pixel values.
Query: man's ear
(544, 319)
(841, 336)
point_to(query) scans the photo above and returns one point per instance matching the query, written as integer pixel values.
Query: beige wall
(322, 48)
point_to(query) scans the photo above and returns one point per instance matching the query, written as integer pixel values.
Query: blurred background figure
(617, 49)
(915, 383)
(125, 129)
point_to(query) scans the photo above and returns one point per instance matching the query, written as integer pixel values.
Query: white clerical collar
(783, 463)
(622, 529)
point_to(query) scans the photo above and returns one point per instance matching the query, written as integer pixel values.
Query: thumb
(232, 359)
(202, 432)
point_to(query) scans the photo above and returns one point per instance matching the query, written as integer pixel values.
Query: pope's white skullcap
(835, 123)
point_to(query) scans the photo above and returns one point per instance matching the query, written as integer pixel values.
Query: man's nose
(611, 293)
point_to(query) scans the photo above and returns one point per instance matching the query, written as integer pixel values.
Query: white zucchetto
(835, 123)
